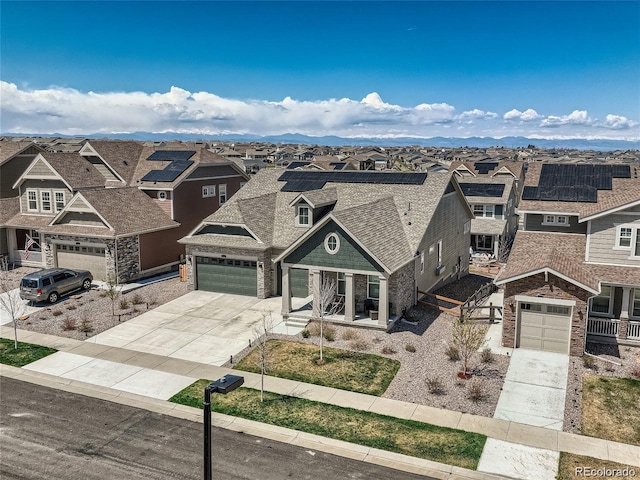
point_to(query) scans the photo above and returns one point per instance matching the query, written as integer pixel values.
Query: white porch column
(315, 285)
(624, 313)
(349, 298)
(496, 246)
(286, 291)
(383, 302)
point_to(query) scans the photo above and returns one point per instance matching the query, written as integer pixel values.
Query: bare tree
(326, 304)
(10, 301)
(113, 293)
(504, 248)
(261, 333)
(468, 337)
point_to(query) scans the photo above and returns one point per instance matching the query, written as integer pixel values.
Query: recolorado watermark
(604, 472)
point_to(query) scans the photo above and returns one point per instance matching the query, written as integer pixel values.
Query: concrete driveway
(204, 327)
(534, 389)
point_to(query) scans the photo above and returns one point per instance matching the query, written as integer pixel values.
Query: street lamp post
(224, 385)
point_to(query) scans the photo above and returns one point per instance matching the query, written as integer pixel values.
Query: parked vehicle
(49, 284)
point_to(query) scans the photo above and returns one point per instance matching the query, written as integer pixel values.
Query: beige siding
(41, 169)
(447, 224)
(79, 203)
(40, 185)
(602, 240)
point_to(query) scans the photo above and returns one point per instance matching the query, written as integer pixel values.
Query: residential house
(379, 235)
(574, 269)
(116, 208)
(493, 190)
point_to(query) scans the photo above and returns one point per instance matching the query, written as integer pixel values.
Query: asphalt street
(48, 433)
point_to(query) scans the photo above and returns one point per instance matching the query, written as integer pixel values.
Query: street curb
(340, 448)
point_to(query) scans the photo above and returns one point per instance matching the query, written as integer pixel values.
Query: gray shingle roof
(121, 155)
(404, 210)
(8, 208)
(487, 226)
(484, 180)
(76, 171)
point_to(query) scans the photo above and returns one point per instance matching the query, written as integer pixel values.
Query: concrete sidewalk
(496, 429)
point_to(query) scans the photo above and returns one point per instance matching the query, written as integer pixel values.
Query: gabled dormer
(313, 205)
(464, 171)
(93, 157)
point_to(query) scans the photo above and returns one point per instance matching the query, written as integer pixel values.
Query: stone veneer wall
(556, 288)
(401, 288)
(266, 286)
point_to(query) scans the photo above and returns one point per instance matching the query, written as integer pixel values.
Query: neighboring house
(15, 157)
(116, 208)
(380, 235)
(493, 190)
(574, 271)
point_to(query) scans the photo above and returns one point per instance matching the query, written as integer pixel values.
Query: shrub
(359, 345)
(68, 324)
(56, 313)
(589, 362)
(635, 371)
(486, 356)
(387, 350)
(137, 299)
(329, 333)
(410, 347)
(71, 307)
(435, 386)
(350, 334)
(305, 333)
(124, 304)
(476, 392)
(85, 326)
(314, 329)
(103, 294)
(452, 353)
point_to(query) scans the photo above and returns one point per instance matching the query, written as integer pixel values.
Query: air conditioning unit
(440, 268)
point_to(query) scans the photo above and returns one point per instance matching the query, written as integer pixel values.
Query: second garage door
(545, 327)
(227, 275)
(82, 258)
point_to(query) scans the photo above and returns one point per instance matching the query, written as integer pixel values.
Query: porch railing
(633, 330)
(601, 326)
(35, 258)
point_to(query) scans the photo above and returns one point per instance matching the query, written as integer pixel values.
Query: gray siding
(603, 240)
(41, 185)
(533, 222)
(77, 218)
(11, 171)
(447, 224)
(41, 169)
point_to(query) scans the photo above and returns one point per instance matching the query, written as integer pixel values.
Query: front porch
(614, 315)
(613, 330)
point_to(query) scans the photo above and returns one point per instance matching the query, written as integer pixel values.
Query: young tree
(10, 301)
(261, 333)
(325, 304)
(113, 293)
(468, 337)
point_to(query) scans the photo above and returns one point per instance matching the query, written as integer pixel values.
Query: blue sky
(539, 69)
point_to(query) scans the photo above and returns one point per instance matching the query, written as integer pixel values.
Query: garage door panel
(94, 262)
(555, 334)
(227, 276)
(556, 347)
(540, 329)
(531, 331)
(531, 343)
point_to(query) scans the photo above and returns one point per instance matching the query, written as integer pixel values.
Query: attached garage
(544, 327)
(299, 279)
(78, 257)
(227, 275)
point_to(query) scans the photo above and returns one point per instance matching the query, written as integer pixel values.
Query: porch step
(299, 322)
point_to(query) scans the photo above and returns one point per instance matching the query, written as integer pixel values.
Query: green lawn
(610, 408)
(25, 354)
(444, 445)
(357, 372)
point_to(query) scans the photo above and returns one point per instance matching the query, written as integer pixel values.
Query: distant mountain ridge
(330, 140)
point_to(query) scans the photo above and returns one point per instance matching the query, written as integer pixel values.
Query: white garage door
(83, 258)
(544, 327)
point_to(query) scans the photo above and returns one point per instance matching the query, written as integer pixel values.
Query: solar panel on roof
(301, 180)
(548, 193)
(482, 189)
(620, 171)
(484, 167)
(567, 194)
(171, 155)
(169, 173)
(587, 194)
(530, 193)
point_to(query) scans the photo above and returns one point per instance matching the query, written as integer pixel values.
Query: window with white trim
(636, 303)
(32, 200)
(602, 303)
(303, 218)
(208, 191)
(422, 262)
(558, 310)
(561, 220)
(35, 235)
(439, 252)
(373, 286)
(58, 197)
(162, 195)
(486, 211)
(222, 196)
(332, 243)
(45, 200)
(341, 283)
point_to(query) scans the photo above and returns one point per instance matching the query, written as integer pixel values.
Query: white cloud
(72, 112)
(526, 116)
(577, 117)
(618, 122)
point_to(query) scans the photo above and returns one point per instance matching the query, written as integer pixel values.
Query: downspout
(586, 326)
(117, 274)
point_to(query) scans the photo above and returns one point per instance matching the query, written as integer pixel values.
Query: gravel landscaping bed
(421, 349)
(83, 313)
(628, 357)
